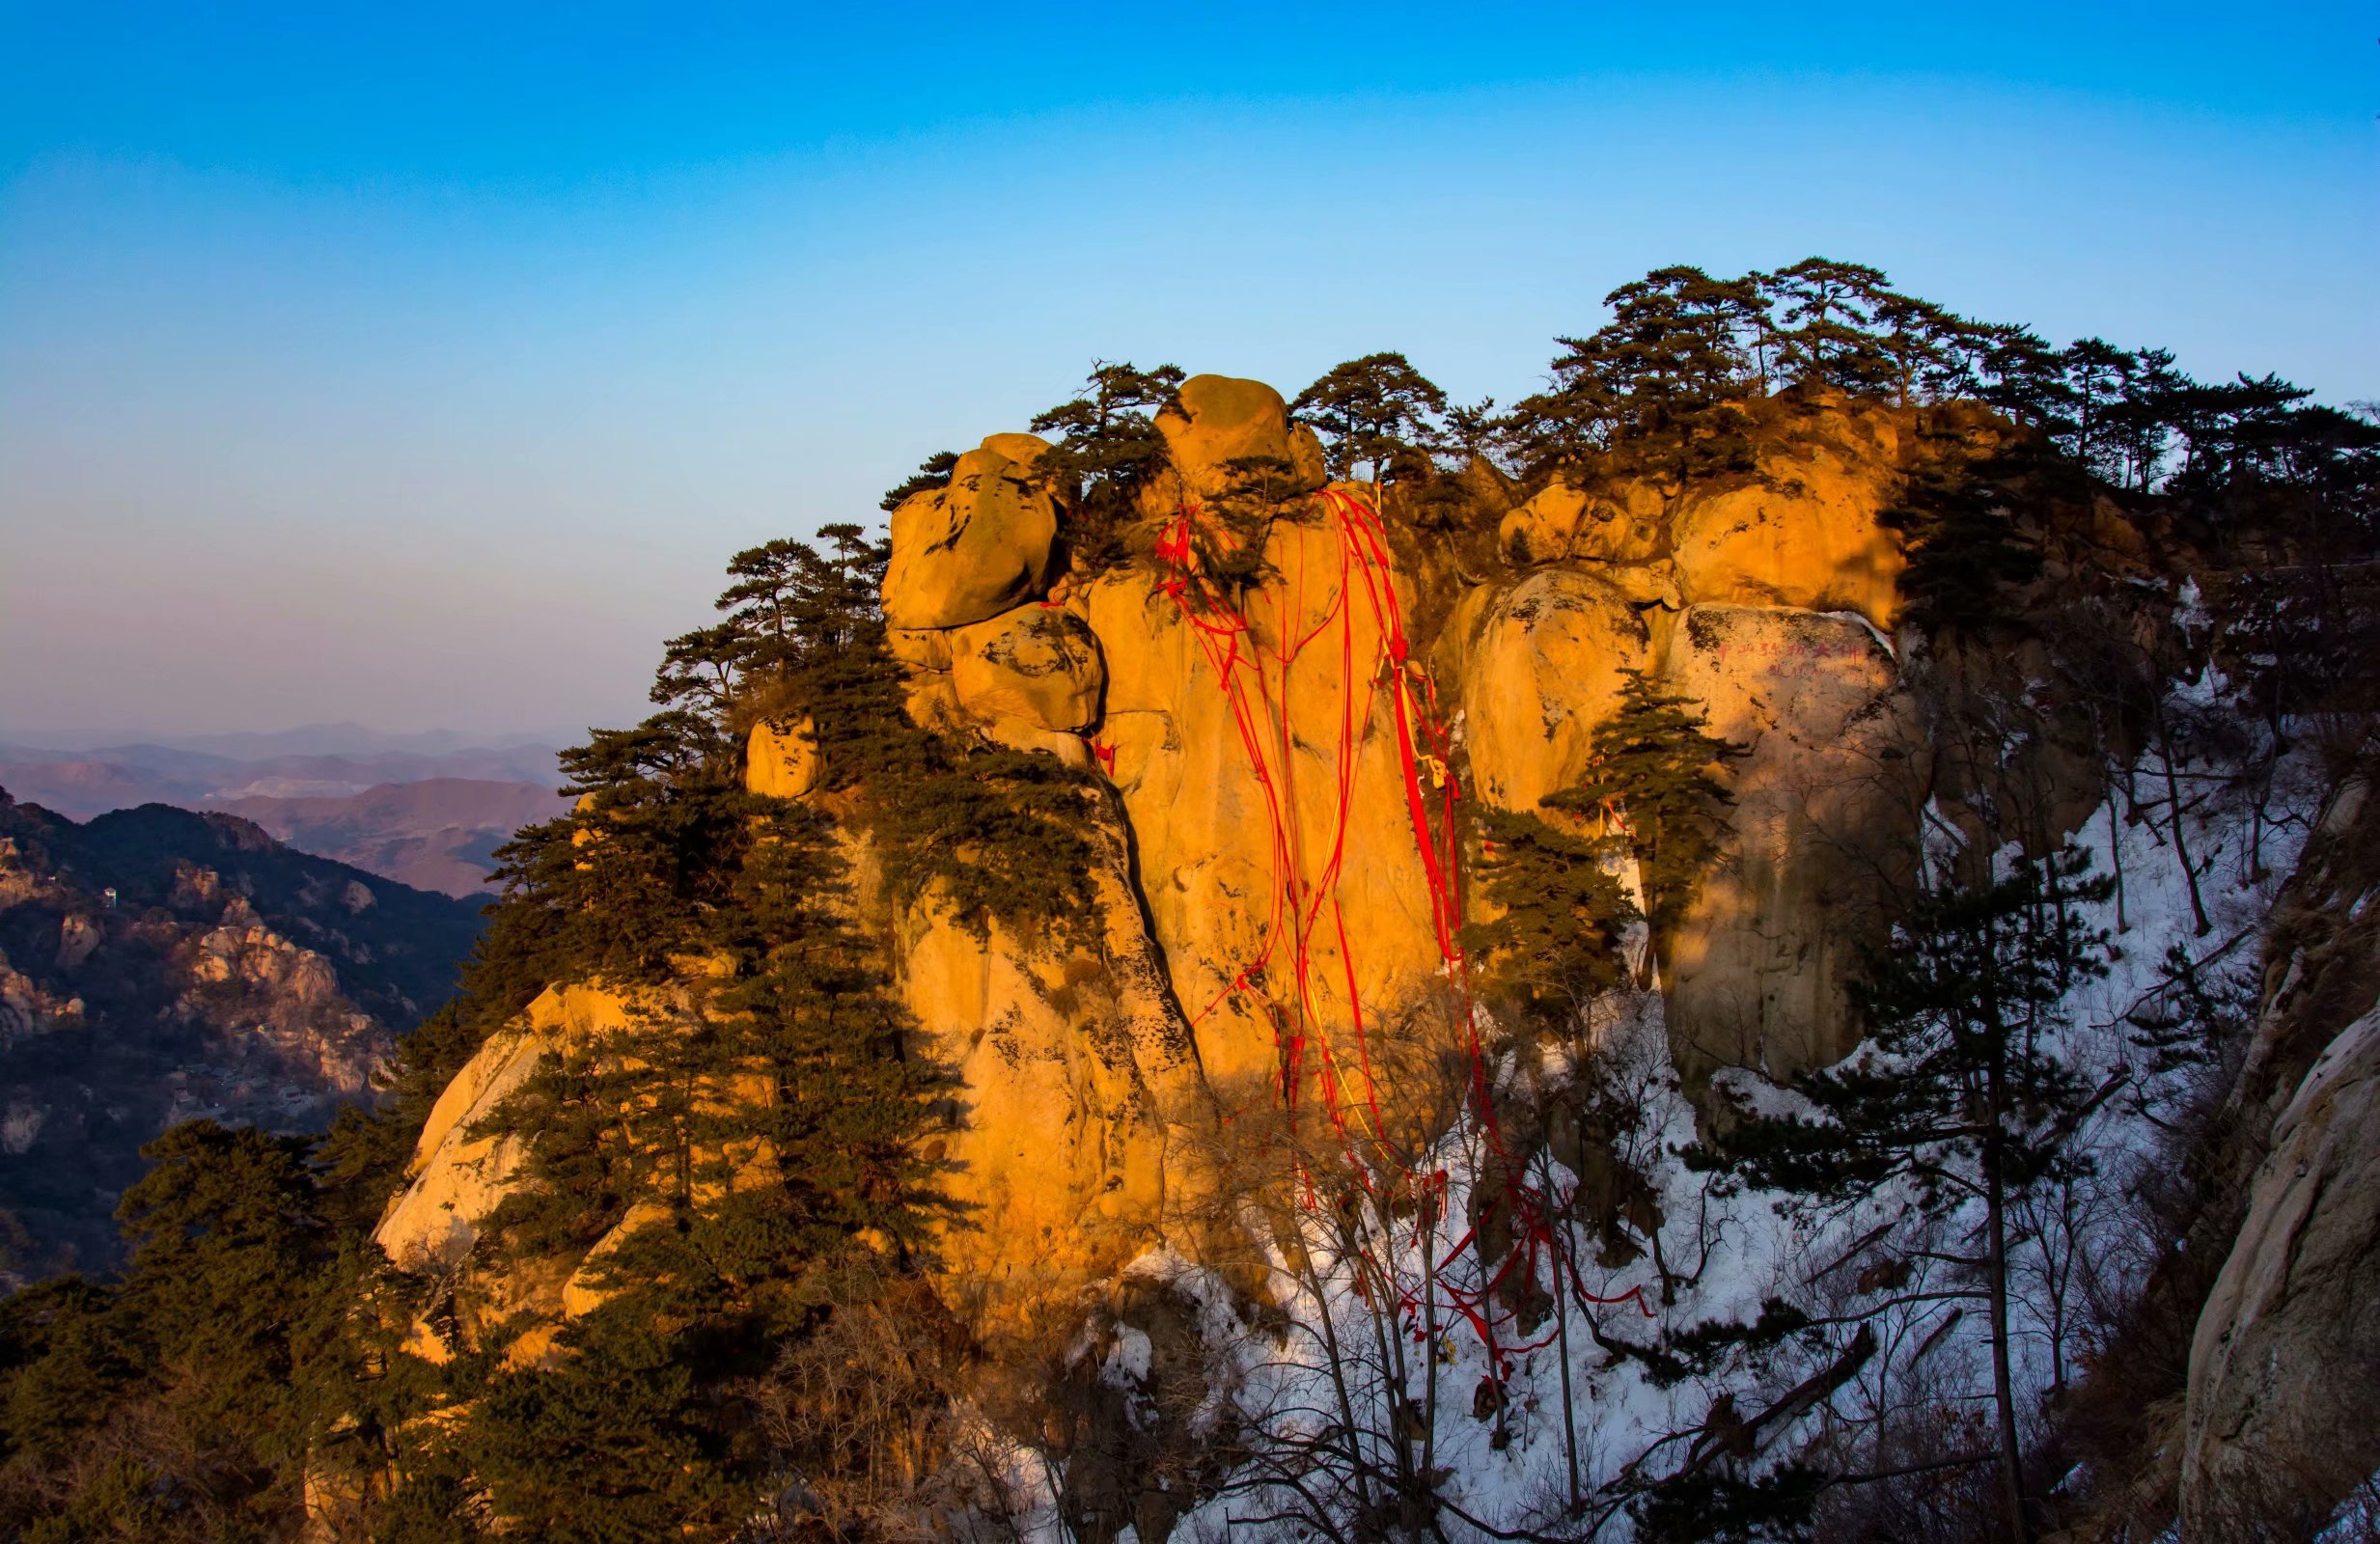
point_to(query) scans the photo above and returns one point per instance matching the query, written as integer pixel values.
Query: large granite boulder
(1824, 817)
(974, 549)
(781, 759)
(1217, 420)
(1036, 664)
(1805, 534)
(1540, 669)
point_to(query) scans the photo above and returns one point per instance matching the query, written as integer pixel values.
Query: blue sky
(422, 364)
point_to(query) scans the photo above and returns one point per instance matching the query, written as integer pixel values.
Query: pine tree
(1834, 308)
(189, 1367)
(1561, 916)
(1962, 1095)
(2198, 1016)
(1109, 450)
(820, 1052)
(1666, 379)
(755, 1124)
(1651, 775)
(738, 1149)
(612, 1444)
(1372, 411)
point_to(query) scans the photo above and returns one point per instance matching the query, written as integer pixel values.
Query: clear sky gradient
(422, 364)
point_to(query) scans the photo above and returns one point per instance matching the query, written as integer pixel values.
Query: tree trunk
(2003, 1393)
(1426, 1215)
(2116, 861)
(2181, 841)
(1561, 1332)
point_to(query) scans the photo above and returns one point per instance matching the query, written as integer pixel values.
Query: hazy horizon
(103, 736)
(423, 371)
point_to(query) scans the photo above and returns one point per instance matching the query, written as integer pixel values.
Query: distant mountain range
(158, 964)
(438, 834)
(309, 739)
(426, 810)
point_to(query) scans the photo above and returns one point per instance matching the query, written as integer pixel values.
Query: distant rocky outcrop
(158, 964)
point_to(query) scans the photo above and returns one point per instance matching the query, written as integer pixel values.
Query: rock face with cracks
(1804, 534)
(1038, 664)
(1757, 975)
(973, 549)
(1540, 668)
(781, 760)
(2284, 1368)
(1275, 758)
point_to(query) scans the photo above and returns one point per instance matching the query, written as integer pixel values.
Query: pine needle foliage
(1560, 916)
(1963, 1092)
(758, 1119)
(1653, 776)
(1373, 412)
(1109, 449)
(1959, 518)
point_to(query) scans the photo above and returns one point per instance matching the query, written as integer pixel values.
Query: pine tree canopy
(1369, 411)
(1963, 1062)
(1652, 773)
(1108, 449)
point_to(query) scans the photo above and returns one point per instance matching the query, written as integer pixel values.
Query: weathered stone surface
(1620, 525)
(1646, 584)
(457, 1178)
(973, 549)
(1022, 448)
(77, 937)
(1038, 664)
(926, 648)
(1540, 669)
(1805, 536)
(1755, 976)
(1216, 420)
(1222, 852)
(781, 760)
(1077, 1074)
(587, 1289)
(2283, 1410)
(1026, 734)
(1561, 521)
(1260, 797)
(1540, 531)
(932, 702)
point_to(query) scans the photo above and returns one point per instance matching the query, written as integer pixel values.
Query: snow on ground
(1498, 1435)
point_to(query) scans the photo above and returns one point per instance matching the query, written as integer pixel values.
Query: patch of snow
(1129, 1360)
(1373, 1309)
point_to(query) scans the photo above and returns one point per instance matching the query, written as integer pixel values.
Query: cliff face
(2283, 1415)
(157, 965)
(1288, 702)
(1281, 880)
(1285, 759)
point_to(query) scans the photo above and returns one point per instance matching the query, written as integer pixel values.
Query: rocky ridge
(1260, 789)
(1271, 756)
(158, 966)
